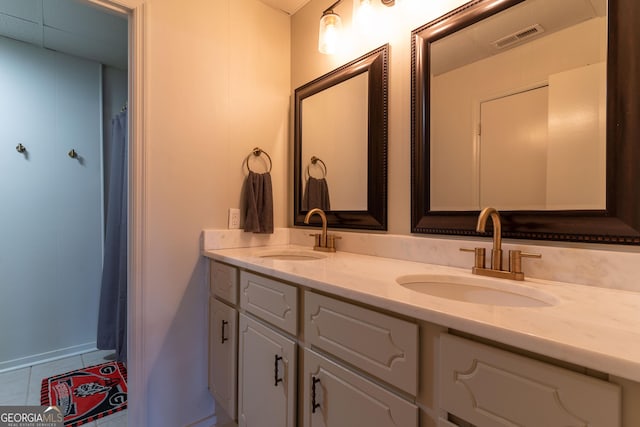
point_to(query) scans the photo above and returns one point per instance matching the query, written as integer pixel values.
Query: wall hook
(21, 148)
(72, 154)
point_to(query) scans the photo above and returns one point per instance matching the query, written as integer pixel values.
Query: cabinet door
(267, 376)
(337, 397)
(223, 355)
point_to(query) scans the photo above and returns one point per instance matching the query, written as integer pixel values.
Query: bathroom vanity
(313, 339)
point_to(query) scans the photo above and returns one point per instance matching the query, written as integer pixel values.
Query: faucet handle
(480, 255)
(515, 260)
(331, 240)
(318, 238)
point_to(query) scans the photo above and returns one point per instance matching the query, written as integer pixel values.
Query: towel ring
(257, 152)
(314, 161)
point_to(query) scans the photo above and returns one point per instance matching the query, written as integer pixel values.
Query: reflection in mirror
(522, 105)
(514, 99)
(340, 144)
(335, 130)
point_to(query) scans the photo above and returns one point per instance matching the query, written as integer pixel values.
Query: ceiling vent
(518, 36)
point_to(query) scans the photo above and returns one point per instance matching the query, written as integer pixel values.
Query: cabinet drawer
(270, 300)
(490, 387)
(337, 397)
(379, 344)
(224, 282)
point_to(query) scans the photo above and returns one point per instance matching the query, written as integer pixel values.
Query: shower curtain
(112, 316)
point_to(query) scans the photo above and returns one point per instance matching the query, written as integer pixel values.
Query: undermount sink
(479, 290)
(291, 254)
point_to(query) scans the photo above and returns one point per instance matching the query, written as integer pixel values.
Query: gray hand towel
(258, 198)
(316, 194)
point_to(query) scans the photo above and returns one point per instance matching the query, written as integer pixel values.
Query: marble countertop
(589, 326)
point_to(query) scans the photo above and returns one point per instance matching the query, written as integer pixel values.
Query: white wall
(457, 95)
(216, 83)
(577, 127)
(50, 204)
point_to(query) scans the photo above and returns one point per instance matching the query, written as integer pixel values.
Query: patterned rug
(86, 394)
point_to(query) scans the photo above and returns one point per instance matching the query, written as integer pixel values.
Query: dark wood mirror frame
(619, 223)
(376, 63)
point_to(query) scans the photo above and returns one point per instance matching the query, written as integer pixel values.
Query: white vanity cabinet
(223, 344)
(285, 355)
(490, 387)
(267, 355)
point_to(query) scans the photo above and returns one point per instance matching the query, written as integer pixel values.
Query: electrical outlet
(234, 218)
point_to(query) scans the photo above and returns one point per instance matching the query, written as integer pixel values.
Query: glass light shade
(363, 15)
(330, 29)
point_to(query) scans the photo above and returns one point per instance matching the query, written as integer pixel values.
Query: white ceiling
(289, 6)
(67, 26)
(475, 42)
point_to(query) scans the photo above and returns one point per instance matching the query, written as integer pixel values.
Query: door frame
(135, 11)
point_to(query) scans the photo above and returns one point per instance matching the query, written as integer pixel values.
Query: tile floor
(22, 386)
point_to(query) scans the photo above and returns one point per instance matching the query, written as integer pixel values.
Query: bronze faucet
(496, 252)
(515, 256)
(324, 242)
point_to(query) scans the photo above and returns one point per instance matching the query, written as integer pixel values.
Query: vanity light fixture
(330, 29)
(363, 15)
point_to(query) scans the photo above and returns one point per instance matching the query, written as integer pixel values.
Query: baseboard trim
(49, 356)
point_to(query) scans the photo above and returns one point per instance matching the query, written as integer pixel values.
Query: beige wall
(216, 84)
(394, 28)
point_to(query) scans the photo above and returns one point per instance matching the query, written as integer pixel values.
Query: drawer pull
(314, 404)
(223, 338)
(277, 380)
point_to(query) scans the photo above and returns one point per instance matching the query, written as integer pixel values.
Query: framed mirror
(531, 107)
(340, 144)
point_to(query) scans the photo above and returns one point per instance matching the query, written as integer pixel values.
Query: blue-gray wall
(51, 206)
